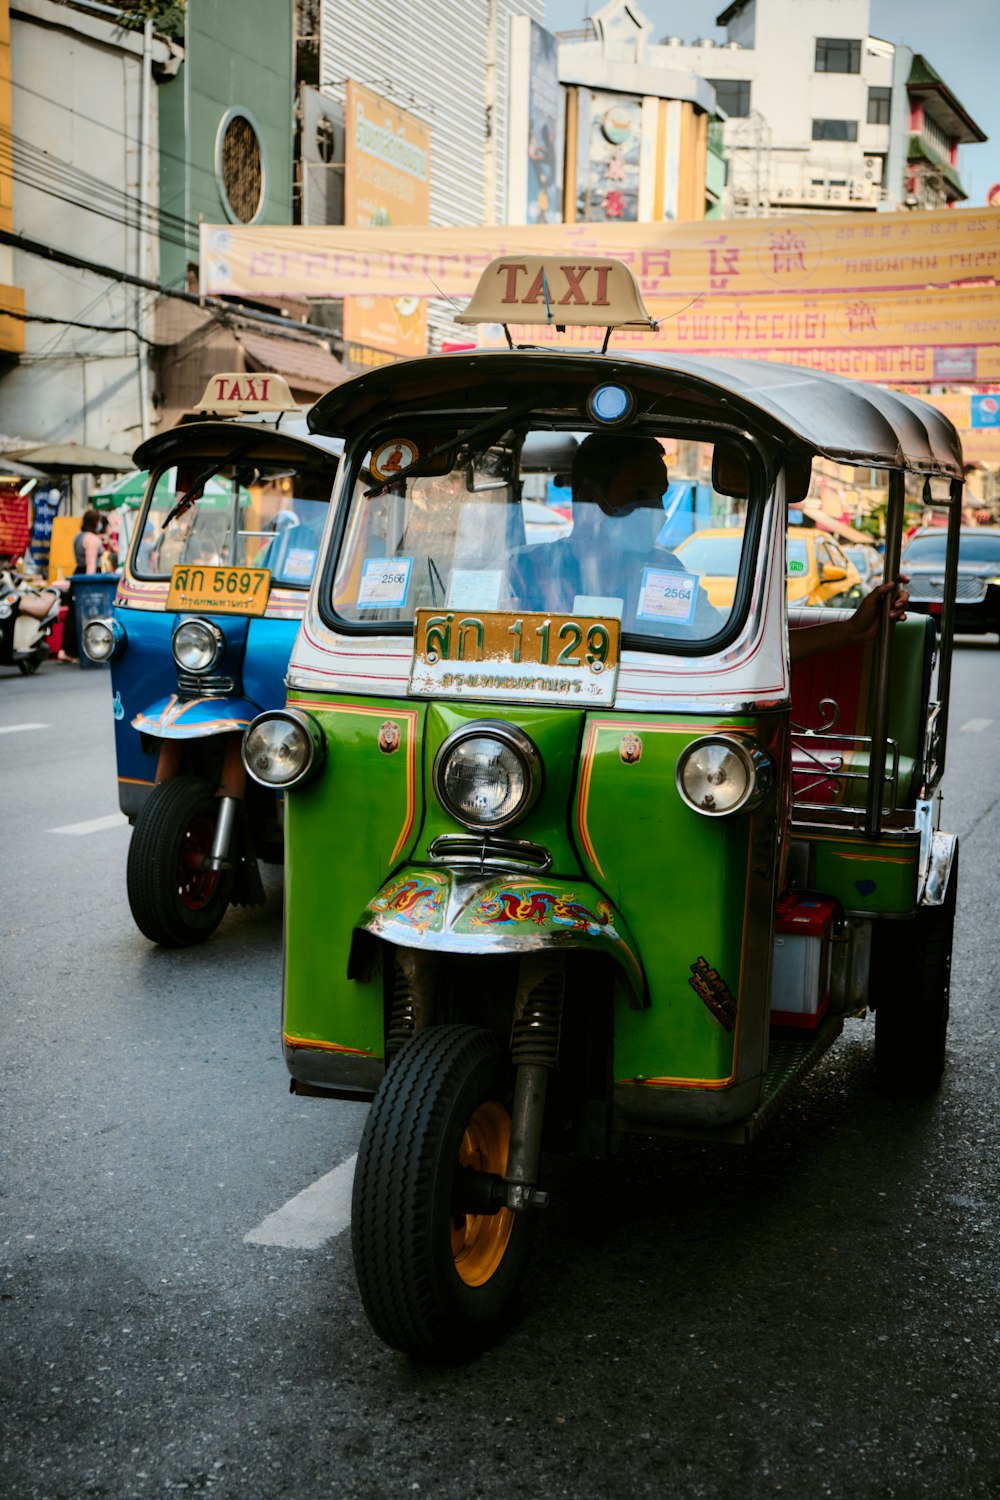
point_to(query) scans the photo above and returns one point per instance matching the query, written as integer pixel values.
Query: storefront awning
(308, 367)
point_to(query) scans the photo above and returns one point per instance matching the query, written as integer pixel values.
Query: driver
(624, 478)
(616, 568)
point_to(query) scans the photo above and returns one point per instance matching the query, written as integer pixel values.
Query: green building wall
(237, 56)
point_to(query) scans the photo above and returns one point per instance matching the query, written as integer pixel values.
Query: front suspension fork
(535, 1053)
(231, 792)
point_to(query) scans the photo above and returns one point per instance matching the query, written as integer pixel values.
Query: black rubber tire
(401, 1226)
(29, 665)
(911, 975)
(174, 811)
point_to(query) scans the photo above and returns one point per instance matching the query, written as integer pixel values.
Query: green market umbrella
(130, 490)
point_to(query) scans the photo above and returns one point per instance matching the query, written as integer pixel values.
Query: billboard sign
(985, 411)
(387, 185)
(545, 130)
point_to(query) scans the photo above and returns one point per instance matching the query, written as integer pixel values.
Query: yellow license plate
(227, 591)
(517, 657)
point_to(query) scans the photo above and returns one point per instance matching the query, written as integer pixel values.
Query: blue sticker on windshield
(385, 583)
(668, 595)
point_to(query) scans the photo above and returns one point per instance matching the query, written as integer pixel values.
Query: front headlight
(103, 639)
(487, 774)
(197, 645)
(283, 748)
(719, 775)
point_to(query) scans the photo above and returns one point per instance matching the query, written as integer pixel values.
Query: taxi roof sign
(235, 393)
(561, 290)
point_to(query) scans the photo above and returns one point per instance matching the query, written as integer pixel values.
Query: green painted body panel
(664, 889)
(346, 832)
(680, 881)
(867, 876)
(556, 733)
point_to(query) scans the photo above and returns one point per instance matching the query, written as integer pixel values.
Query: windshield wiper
(195, 489)
(497, 419)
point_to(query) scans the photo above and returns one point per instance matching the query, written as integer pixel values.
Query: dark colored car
(868, 561)
(977, 599)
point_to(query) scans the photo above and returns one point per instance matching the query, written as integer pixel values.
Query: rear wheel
(911, 972)
(176, 901)
(436, 1280)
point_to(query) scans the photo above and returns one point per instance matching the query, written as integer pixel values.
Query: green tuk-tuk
(576, 843)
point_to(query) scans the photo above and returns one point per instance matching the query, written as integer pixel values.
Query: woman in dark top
(87, 556)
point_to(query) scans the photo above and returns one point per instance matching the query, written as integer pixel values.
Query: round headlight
(98, 639)
(281, 748)
(487, 774)
(197, 645)
(718, 775)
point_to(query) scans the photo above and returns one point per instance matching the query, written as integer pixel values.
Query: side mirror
(833, 574)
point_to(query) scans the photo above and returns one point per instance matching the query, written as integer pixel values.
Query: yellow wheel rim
(479, 1241)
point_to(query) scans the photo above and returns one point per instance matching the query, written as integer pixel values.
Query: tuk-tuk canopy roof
(281, 440)
(844, 420)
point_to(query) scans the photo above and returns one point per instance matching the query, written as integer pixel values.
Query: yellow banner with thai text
(807, 254)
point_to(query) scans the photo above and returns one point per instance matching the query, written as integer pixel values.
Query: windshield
(245, 515)
(542, 521)
(971, 549)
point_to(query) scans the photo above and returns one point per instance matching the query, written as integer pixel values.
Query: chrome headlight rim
(98, 639)
(185, 627)
(315, 746)
(511, 738)
(756, 762)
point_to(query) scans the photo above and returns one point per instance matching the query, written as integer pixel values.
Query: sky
(959, 38)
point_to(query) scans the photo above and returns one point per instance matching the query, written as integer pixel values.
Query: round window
(240, 167)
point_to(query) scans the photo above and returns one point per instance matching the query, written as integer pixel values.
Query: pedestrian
(87, 549)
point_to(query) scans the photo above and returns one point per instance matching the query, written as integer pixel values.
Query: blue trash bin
(93, 599)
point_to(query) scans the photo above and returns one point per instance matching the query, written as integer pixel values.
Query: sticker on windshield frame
(385, 583)
(390, 458)
(474, 588)
(667, 595)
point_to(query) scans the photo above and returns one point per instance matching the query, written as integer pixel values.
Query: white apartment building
(822, 115)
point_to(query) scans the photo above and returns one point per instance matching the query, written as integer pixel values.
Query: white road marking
(314, 1216)
(17, 728)
(976, 726)
(94, 825)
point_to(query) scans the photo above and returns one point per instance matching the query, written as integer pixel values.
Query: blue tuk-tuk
(211, 594)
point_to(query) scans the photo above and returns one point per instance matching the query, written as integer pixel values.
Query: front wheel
(176, 901)
(28, 665)
(911, 967)
(437, 1281)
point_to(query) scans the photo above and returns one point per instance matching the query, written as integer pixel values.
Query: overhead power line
(31, 166)
(226, 311)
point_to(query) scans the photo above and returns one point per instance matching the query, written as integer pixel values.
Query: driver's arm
(863, 625)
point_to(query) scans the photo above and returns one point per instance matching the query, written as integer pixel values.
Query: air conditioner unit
(672, 41)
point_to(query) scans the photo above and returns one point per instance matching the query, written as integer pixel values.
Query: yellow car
(818, 571)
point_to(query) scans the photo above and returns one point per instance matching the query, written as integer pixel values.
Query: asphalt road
(815, 1315)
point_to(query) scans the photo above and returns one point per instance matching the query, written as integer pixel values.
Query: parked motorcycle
(27, 616)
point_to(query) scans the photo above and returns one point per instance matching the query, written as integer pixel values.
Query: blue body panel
(144, 680)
